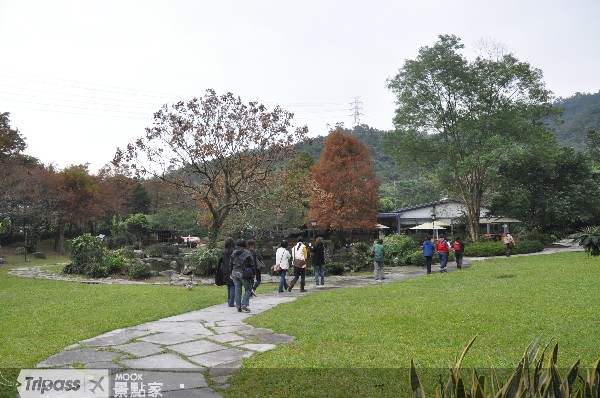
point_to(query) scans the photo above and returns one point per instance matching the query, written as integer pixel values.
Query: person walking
(299, 261)
(258, 259)
(378, 257)
(242, 271)
(459, 249)
(318, 255)
(428, 251)
(443, 249)
(282, 258)
(223, 264)
(509, 242)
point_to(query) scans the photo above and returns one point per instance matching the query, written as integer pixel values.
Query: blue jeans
(239, 300)
(282, 282)
(319, 271)
(443, 259)
(231, 294)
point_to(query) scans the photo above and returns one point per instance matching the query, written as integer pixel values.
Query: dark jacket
(318, 254)
(240, 259)
(224, 261)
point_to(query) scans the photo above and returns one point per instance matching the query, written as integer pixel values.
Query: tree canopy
(462, 119)
(345, 197)
(220, 151)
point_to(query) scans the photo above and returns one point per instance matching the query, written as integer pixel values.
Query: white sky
(83, 77)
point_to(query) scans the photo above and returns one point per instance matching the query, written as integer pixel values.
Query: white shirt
(282, 257)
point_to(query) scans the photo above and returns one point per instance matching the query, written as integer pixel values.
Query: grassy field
(359, 342)
(41, 317)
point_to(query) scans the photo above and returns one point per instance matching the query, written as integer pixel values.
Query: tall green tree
(462, 118)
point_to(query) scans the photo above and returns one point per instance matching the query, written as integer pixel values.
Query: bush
(545, 239)
(493, 249)
(204, 261)
(358, 257)
(589, 238)
(96, 270)
(139, 269)
(86, 254)
(417, 258)
(523, 247)
(159, 249)
(114, 261)
(398, 249)
(334, 268)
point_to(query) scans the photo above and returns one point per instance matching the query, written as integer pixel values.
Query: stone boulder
(39, 255)
(20, 251)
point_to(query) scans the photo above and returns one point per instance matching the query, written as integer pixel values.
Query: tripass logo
(63, 383)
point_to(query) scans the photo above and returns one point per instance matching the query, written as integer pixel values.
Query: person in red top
(443, 249)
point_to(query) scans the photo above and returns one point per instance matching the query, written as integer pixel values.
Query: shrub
(96, 270)
(358, 257)
(139, 269)
(159, 249)
(545, 239)
(114, 261)
(334, 268)
(589, 238)
(398, 249)
(532, 246)
(417, 258)
(204, 260)
(85, 251)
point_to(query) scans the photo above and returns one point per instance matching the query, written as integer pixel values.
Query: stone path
(192, 353)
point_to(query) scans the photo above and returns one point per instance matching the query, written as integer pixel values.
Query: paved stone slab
(171, 381)
(102, 365)
(170, 338)
(259, 347)
(160, 362)
(175, 327)
(196, 347)
(236, 343)
(255, 331)
(275, 338)
(226, 338)
(116, 337)
(229, 329)
(225, 369)
(84, 356)
(220, 357)
(140, 349)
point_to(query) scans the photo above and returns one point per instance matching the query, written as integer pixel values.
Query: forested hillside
(580, 113)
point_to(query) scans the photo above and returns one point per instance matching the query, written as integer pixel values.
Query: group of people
(239, 268)
(442, 247)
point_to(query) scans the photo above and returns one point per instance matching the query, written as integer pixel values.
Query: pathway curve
(192, 353)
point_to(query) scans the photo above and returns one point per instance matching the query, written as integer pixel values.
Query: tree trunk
(59, 240)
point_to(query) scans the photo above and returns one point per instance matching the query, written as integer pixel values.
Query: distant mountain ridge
(580, 113)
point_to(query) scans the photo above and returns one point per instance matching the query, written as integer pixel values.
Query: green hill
(580, 113)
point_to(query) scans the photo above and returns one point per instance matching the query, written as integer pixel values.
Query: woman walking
(224, 260)
(282, 258)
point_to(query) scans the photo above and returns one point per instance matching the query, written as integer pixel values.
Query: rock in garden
(39, 255)
(20, 251)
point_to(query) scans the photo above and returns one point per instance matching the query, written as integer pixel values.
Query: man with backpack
(443, 249)
(459, 249)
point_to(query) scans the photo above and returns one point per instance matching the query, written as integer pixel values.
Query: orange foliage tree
(346, 192)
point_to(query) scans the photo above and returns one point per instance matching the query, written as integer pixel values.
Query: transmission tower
(356, 109)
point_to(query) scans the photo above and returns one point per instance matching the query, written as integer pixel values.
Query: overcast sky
(83, 77)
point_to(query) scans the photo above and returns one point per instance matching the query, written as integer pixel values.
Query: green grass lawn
(359, 342)
(41, 317)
